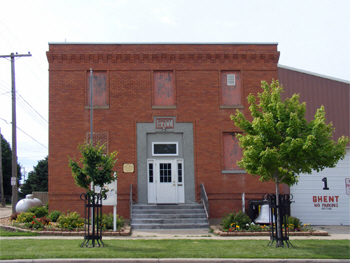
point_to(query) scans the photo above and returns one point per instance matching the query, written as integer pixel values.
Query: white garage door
(324, 198)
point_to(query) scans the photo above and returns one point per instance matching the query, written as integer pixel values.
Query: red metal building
(322, 198)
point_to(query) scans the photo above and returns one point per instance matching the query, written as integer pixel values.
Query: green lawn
(185, 248)
(4, 233)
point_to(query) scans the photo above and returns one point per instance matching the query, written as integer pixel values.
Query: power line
(32, 137)
(32, 108)
(19, 41)
(5, 93)
(26, 106)
(30, 150)
(32, 114)
(25, 133)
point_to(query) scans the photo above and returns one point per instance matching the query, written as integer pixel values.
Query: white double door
(165, 184)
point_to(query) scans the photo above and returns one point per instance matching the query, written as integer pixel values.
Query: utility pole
(91, 110)
(1, 178)
(14, 131)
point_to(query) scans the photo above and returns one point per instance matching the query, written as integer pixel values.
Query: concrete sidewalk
(178, 260)
(5, 211)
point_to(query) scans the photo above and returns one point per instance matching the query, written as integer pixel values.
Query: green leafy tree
(279, 144)
(37, 179)
(96, 167)
(6, 154)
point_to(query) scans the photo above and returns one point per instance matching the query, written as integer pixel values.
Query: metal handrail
(204, 199)
(130, 203)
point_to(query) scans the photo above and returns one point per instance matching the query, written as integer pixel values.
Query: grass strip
(60, 248)
(4, 233)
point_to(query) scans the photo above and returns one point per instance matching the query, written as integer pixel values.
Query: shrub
(37, 223)
(227, 220)
(54, 215)
(107, 221)
(45, 220)
(307, 227)
(39, 211)
(25, 217)
(236, 221)
(294, 223)
(14, 216)
(70, 221)
(254, 227)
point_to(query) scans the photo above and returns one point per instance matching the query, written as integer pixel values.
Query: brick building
(165, 108)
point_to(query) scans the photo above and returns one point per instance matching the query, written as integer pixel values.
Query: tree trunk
(279, 242)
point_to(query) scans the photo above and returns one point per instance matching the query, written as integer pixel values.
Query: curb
(179, 260)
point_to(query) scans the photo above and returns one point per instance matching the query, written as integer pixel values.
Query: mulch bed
(219, 232)
(5, 223)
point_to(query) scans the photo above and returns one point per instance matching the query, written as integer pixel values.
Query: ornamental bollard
(284, 207)
(93, 219)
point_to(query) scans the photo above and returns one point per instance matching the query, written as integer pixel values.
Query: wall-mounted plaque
(128, 167)
(164, 123)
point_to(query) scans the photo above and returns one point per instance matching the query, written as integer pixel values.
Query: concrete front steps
(181, 216)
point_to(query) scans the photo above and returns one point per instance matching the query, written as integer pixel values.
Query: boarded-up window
(232, 151)
(99, 139)
(99, 89)
(231, 91)
(164, 92)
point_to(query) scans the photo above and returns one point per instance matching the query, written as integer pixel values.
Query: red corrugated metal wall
(317, 91)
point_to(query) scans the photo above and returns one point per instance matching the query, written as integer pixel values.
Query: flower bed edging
(242, 233)
(219, 232)
(124, 232)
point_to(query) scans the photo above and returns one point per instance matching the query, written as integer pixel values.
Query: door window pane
(179, 172)
(165, 149)
(165, 172)
(150, 172)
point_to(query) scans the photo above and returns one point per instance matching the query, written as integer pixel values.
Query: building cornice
(163, 43)
(164, 57)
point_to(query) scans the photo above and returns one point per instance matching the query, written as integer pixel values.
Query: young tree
(37, 179)
(96, 167)
(280, 144)
(6, 154)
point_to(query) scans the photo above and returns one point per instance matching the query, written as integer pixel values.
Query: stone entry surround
(186, 130)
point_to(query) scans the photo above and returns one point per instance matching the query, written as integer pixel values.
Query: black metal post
(93, 207)
(284, 203)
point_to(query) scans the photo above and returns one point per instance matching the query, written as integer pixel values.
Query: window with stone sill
(99, 89)
(232, 153)
(163, 90)
(99, 138)
(231, 90)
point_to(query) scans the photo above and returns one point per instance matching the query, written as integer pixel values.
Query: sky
(312, 35)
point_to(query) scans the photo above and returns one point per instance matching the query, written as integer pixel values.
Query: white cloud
(167, 20)
(125, 26)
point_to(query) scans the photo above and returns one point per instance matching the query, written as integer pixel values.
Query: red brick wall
(130, 71)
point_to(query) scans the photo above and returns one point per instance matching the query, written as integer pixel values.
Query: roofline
(163, 43)
(312, 73)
